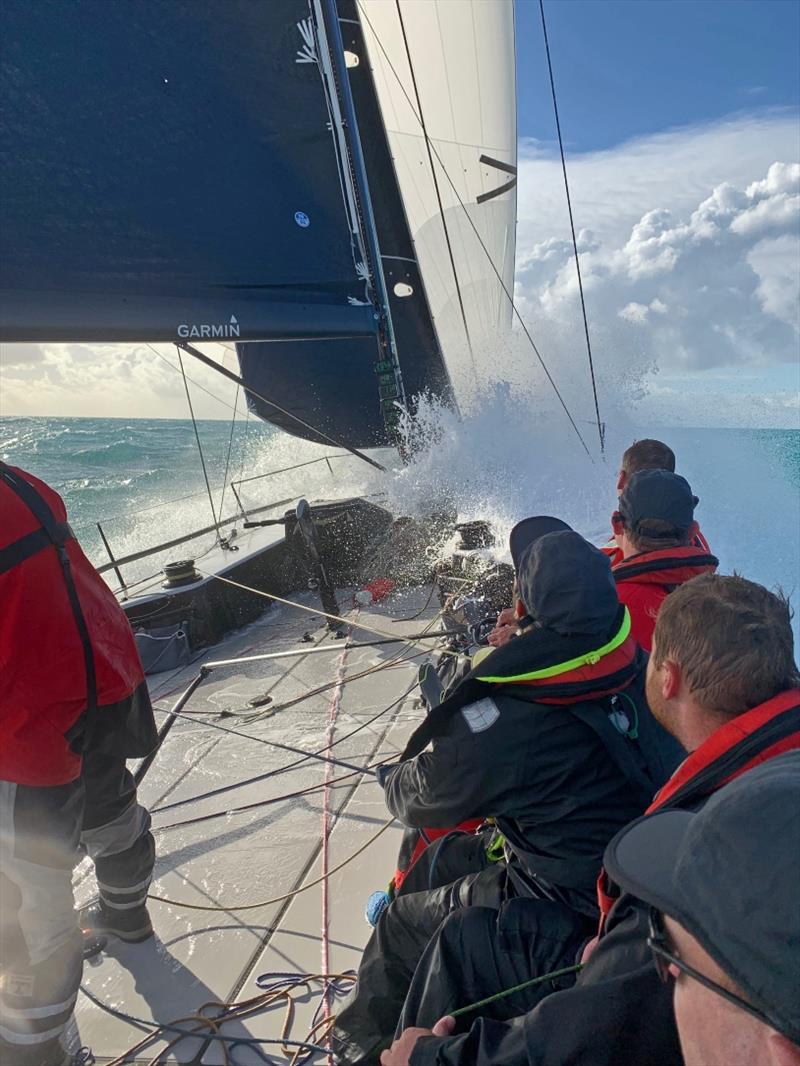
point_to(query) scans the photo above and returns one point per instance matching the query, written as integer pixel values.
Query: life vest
(759, 734)
(645, 580)
(66, 648)
(614, 552)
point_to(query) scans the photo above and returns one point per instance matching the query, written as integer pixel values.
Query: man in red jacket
(647, 454)
(656, 531)
(73, 706)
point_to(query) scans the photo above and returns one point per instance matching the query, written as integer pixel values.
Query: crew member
(730, 944)
(415, 841)
(723, 680)
(642, 455)
(73, 706)
(537, 738)
(647, 454)
(656, 532)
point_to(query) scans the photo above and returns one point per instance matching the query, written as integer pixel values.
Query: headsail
(434, 90)
(342, 387)
(445, 78)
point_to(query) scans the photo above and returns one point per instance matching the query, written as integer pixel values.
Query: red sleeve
(643, 602)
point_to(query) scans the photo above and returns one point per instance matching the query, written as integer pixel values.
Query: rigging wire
(229, 374)
(395, 659)
(438, 192)
(497, 273)
(273, 773)
(196, 383)
(318, 611)
(199, 447)
(230, 447)
(600, 427)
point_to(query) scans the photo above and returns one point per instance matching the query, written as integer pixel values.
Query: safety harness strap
(57, 534)
(31, 544)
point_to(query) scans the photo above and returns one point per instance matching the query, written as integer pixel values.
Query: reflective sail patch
(481, 716)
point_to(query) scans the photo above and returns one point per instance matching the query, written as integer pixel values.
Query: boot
(133, 925)
(50, 1053)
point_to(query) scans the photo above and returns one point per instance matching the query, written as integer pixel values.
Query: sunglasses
(663, 957)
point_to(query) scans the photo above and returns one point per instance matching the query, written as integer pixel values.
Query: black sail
(336, 386)
(168, 172)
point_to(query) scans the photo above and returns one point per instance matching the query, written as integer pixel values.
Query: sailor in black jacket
(618, 1013)
(551, 737)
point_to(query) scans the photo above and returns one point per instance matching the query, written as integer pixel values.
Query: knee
(467, 927)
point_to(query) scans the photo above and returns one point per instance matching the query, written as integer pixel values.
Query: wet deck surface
(237, 859)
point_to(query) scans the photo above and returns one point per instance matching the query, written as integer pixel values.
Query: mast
(333, 66)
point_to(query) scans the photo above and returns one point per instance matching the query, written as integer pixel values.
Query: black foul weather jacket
(552, 738)
(619, 1013)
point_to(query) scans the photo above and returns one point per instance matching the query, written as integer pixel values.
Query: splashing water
(511, 454)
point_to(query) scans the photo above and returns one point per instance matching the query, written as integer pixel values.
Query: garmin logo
(206, 332)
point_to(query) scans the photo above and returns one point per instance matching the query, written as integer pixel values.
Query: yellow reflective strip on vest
(589, 659)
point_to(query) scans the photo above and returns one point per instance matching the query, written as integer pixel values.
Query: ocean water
(143, 481)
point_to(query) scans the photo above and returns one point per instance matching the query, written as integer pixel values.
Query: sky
(680, 121)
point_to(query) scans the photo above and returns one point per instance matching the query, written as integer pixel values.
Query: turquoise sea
(143, 481)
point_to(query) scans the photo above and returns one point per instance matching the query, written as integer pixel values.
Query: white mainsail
(461, 57)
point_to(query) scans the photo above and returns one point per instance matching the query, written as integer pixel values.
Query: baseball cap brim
(530, 530)
(643, 856)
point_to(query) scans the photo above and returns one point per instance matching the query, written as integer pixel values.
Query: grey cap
(730, 875)
(657, 494)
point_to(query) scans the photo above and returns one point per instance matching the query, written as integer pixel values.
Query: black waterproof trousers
(413, 953)
(478, 952)
(466, 878)
(43, 835)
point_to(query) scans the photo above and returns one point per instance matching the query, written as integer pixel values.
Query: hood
(566, 585)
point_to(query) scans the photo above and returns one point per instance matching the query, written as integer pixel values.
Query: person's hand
(588, 950)
(505, 628)
(501, 635)
(400, 1051)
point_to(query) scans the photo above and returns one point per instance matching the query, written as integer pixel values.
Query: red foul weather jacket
(644, 581)
(69, 668)
(614, 552)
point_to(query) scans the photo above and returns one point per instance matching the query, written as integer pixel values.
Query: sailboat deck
(268, 852)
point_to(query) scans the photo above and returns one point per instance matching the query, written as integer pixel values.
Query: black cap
(528, 530)
(566, 585)
(657, 494)
(730, 875)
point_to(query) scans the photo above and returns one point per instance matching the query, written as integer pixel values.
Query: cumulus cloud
(110, 380)
(712, 285)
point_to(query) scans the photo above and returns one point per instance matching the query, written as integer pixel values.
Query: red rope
(333, 711)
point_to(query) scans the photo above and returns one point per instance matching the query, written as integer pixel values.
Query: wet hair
(662, 535)
(647, 454)
(732, 640)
